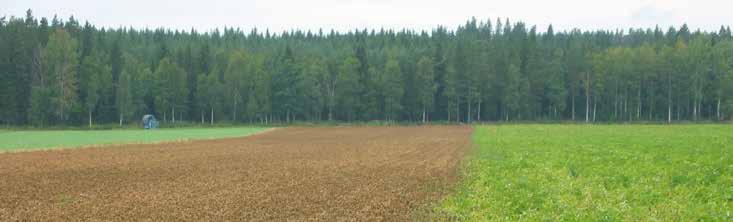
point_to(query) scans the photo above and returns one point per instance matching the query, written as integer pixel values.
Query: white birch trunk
(594, 110)
(458, 110)
(717, 110)
(638, 109)
(669, 99)
(699, 103)
(478, 114)
(468, 113)
(694, 109)
(572, 101)
(423, 114)
(234, 112)
(587, 97)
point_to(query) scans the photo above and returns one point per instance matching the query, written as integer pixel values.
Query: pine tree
(513, 93)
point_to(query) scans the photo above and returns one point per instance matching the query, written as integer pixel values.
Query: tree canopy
(64, 73)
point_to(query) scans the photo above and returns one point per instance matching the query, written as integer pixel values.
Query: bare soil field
(290, 174)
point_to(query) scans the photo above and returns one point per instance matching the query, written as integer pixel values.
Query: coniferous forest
(63, 72)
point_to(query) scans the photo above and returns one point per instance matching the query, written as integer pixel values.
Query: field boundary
(113, 145)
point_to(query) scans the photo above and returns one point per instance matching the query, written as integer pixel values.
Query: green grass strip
(35, 140)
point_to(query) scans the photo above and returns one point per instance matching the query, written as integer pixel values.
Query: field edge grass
(113, 144)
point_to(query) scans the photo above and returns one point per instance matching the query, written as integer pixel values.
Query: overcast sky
(278, 15)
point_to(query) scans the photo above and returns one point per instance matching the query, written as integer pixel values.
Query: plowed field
(293, 174)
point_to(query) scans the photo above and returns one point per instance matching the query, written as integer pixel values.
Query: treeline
(64, 73)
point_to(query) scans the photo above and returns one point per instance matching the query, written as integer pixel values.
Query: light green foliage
(35, 140)
(97, 82)
(393, 92)
(170, 88)
(60, 74)
(311, 88)
(596, 173)
(451, 94)
(346, 85)
(135, 82)
(426, 84)
(235, 80)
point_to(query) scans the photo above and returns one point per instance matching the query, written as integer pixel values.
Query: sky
(344, 15)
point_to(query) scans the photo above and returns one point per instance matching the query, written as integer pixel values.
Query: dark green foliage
(481, 71)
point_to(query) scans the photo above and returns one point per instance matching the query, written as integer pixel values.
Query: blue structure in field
(149, 122)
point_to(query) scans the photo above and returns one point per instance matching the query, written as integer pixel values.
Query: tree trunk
(638, 109)
(595, 103)
(615, 102)
(572, 101)
(694, 109)
(587, 106)
(330, 113)
(423, 114)
(449, 115)
(669, 99)
(120, 119)
(173, 113)
(587, 97)
(699, 103)
(234, 112)
(202, 117)
(458, 109)
(468, 113)
(651, 103)
(478, 114)
(90, 119)
(717, 110)
(212, 116)
(331, 95)
(626, 105)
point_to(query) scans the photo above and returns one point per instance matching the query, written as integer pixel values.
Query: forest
(62, 72)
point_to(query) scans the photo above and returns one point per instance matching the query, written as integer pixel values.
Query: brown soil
(291, 174)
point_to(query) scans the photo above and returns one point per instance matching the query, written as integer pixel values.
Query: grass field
(35, 140)
(596, 173)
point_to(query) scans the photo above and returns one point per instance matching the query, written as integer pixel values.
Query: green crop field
(596, 173)
(35, 140)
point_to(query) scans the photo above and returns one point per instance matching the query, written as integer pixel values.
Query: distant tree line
(64, 73)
